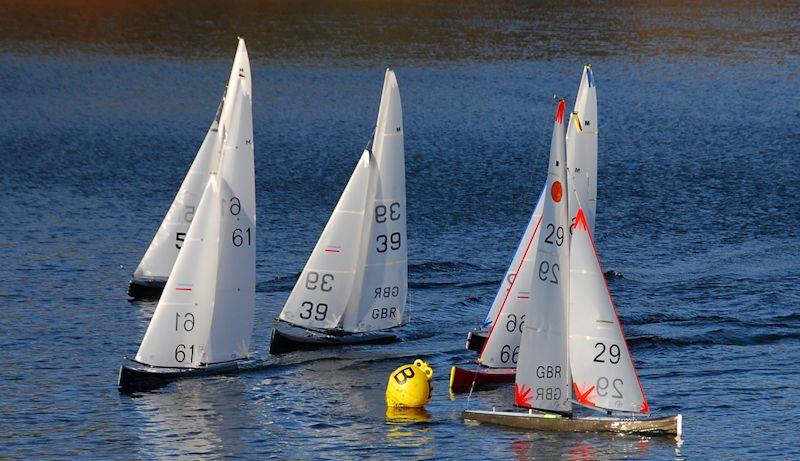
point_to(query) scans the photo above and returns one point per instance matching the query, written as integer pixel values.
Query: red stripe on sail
(508, 292)
(560, 111)
(645, 406)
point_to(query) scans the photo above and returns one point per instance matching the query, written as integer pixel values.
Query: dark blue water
(104, 106)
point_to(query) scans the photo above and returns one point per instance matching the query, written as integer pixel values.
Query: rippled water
(104, 106)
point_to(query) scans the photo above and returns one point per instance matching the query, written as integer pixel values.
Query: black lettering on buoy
(405, 375)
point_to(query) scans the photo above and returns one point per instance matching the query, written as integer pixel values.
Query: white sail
(506, 284)
(379, 294)
(356, 279)
(205, 314)
(543, 380)
(602, 368)
(501, 348)
(160, 255)
(582, 149)
(321, 294)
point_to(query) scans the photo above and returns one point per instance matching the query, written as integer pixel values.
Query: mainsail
(543, 380)
(582, 149)
(205, 315)
(356, 279)
(602, 368)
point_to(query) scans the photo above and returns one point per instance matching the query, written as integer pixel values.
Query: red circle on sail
(556, 191)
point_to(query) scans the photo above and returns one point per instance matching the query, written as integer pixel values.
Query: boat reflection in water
(196, 417)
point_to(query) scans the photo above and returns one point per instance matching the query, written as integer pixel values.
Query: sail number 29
(612, 355)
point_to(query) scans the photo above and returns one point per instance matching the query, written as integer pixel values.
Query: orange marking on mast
(556, 191)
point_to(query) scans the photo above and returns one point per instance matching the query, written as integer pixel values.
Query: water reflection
(391, 32)
(195, 417)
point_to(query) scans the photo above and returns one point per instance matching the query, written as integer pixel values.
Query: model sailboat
(504, 321)
(353, 287)
(153, 270)
(573, 351)
(204, 319)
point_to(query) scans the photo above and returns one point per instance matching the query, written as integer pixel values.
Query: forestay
(602, 368)
(582, 149)
(502, 345)
(356, 279)
(205, 315)
(542, 380)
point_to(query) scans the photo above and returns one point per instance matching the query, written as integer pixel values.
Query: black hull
(139, 377)
(146, 288)
(287, 338)
(476, 339)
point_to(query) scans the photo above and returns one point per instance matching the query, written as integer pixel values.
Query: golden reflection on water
(314, 31)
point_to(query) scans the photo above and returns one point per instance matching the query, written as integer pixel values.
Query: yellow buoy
(410, 386)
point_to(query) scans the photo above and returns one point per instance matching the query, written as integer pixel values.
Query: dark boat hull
(468, 380)
(476, 339)
(146, 288)
(139, 377)
(287, 338)
(671, 425)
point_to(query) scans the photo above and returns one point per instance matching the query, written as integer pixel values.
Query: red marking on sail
(183, 289)
(584, 397)
(556, 191)
(580, 221)
(560, 112)
(645, 406)
(508, 292)
(522, 395)
(332, 251)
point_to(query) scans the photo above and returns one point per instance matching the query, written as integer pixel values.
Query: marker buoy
(410, 385)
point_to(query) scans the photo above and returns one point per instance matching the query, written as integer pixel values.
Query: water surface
(106, 103)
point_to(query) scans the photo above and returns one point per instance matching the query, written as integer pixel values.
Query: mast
(543, 380)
